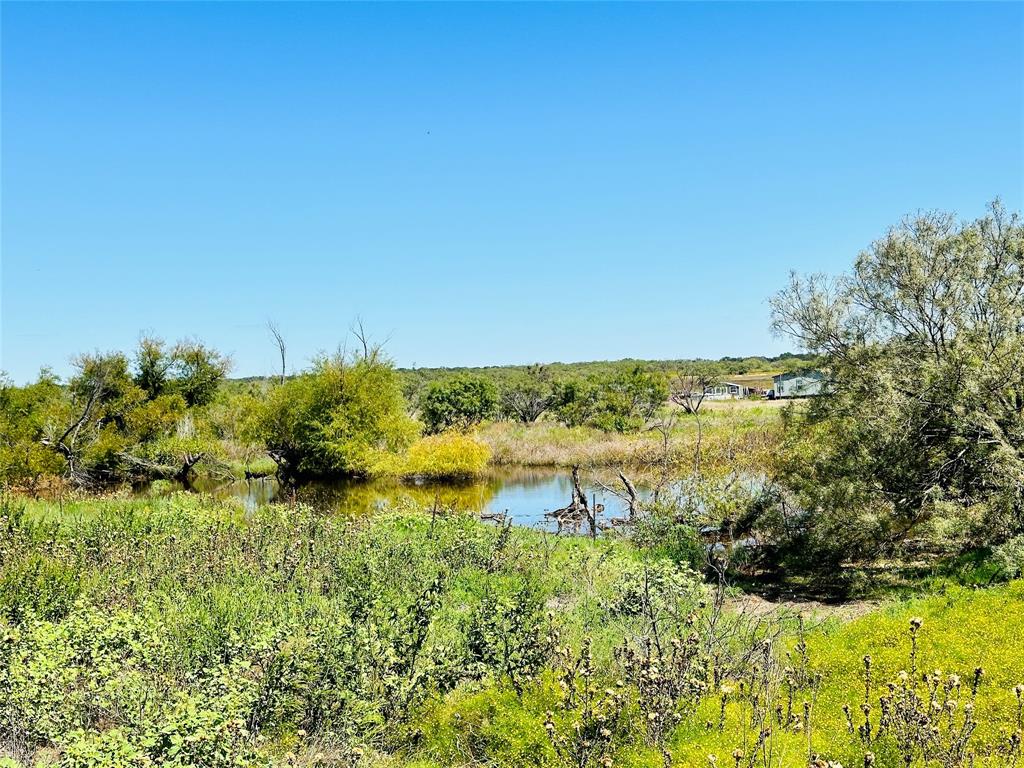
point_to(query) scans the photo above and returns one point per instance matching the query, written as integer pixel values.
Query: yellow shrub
(448, 455)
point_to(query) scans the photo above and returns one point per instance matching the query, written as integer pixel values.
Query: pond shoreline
(522, 496)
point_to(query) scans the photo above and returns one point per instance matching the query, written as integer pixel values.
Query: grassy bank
(738, 435)
(180, 631)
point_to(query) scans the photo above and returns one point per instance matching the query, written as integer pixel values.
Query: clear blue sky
(483, 183)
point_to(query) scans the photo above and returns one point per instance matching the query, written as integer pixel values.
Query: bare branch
(279, 341)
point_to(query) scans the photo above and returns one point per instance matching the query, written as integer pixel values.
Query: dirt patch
(814, 610)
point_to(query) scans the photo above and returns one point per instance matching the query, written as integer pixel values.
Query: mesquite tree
(923, 345)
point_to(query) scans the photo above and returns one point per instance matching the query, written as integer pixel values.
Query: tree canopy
(459, 402)
(923, 344)
(345, 416)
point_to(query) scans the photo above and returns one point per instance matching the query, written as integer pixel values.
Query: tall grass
(739, 437)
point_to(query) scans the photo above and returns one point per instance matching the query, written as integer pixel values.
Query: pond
(524, 495)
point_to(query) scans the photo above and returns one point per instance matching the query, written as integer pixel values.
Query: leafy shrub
(37, 586)
(116, 420)
(450, 455)
(661, 531)
(1010, 556)
(630, 399)
(343, 417)
(458, 403)
(922, 343)
(620, 403)
(509, 636)
(25, 413)
(204, 637)
(189, 369)
(590, 717)
(575, 401)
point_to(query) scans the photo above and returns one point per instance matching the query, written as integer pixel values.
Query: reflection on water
(524, 495)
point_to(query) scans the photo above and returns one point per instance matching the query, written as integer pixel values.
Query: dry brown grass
(740, 406)
(734, 437)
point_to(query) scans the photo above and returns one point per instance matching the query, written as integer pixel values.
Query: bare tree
(371, 348)
(664, 426)
(692, 384)
(67, 443)
(362, 336)
(578, 509)
(279, 341)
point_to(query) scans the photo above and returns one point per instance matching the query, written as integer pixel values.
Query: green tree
(198, 370)
(629, 399)
(621, 402)
(924, 414)
(152, 366)
(190, 369)
(92, 432)
(115, 421)
(528, 395)
(575, 400)
(25, 413)
(642, 390)
(344, 417)
(459, 402)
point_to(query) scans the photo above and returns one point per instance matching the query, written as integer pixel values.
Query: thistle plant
(669, 686)
(929, 717)
(772, 700)
(589, 717)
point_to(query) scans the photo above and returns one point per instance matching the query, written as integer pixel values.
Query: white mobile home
(799, 384)
(726, 390)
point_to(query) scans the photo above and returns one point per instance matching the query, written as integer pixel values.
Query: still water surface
(523, 494)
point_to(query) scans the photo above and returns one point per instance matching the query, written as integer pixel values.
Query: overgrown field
(183, 632)
(739, 435)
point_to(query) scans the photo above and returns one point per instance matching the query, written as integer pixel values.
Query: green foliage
(113, 422)
(526, 396)
(189, 369)
(343, 417)
(198, 370)
(26, 415)
(199, 636)
(236, 630)
(1010, 557)
(167, 412)
(38, 586)
(590, 721)
(575, 401)
(416, 380)
(508, 636)
(94, 434)
(631, 399)
(623, 402)
(450, 455)
(152, 366)
(676, 539)
(459, 402)
(923, 420)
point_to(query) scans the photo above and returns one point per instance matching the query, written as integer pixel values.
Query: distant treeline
(415, 380)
